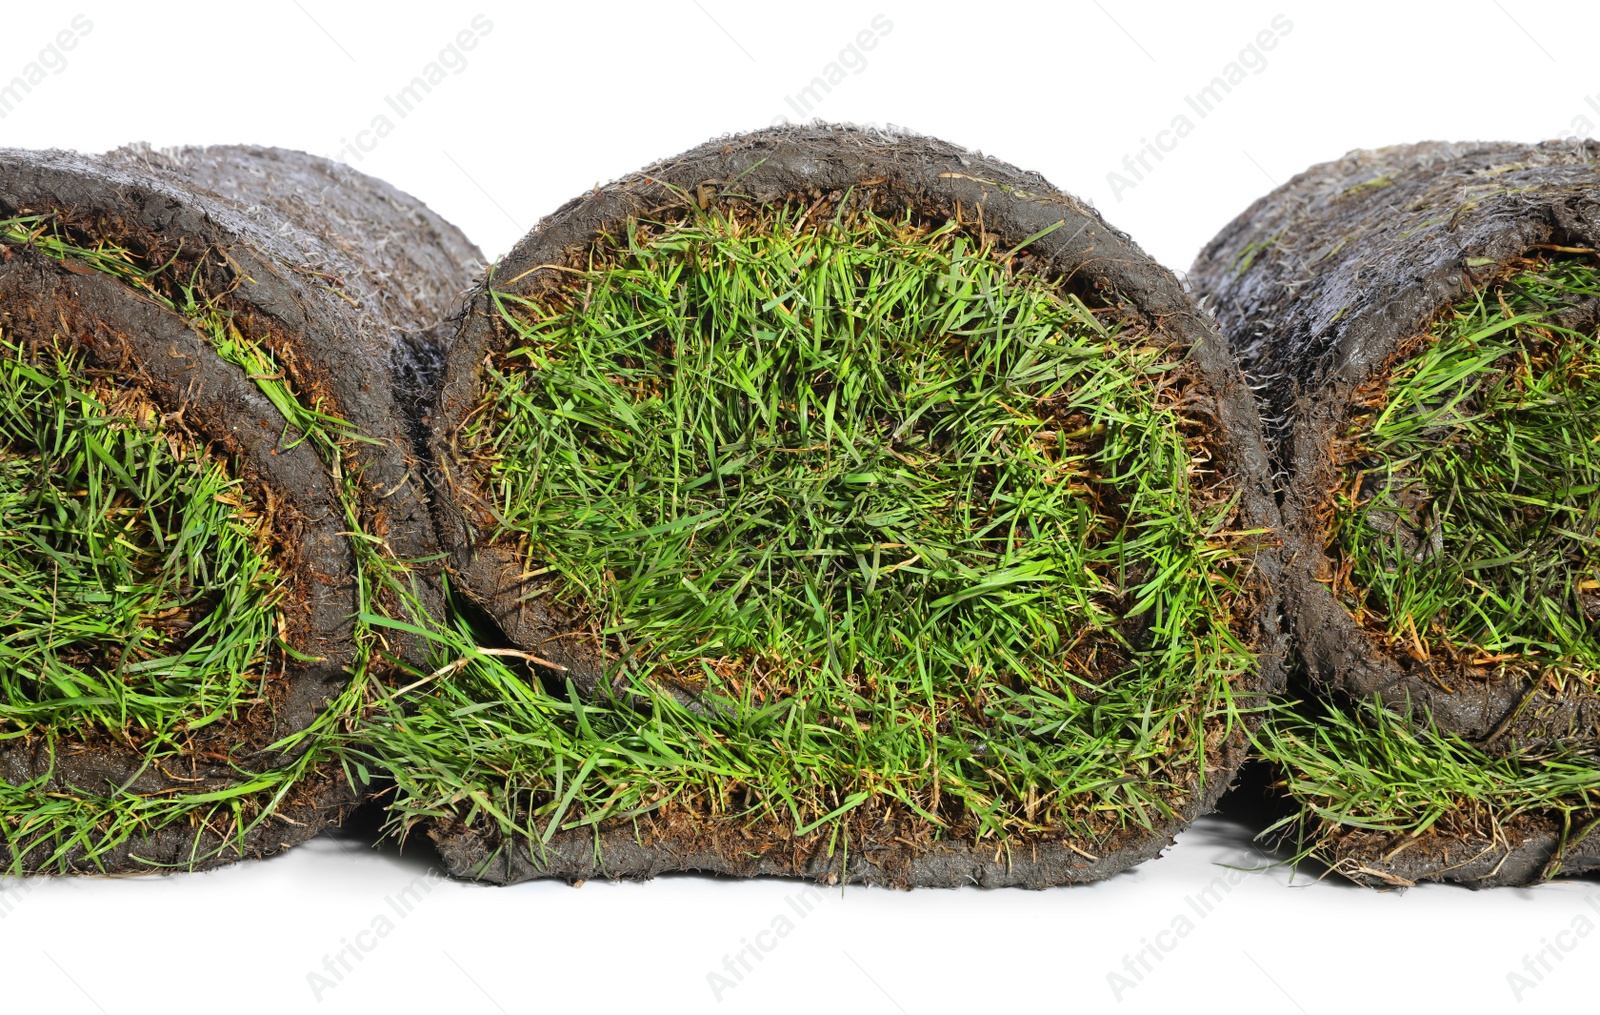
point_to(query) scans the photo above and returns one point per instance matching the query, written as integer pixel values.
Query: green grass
(915, 531)
(136, 596)
(1365, 767)
(167, 704)
(1468, 533)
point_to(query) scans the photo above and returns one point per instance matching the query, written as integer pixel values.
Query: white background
(552, 101)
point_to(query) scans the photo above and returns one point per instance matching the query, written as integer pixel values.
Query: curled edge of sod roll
(1421, 325)
(213, 515)
(858, 507)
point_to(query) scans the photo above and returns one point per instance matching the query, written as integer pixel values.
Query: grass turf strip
(864, 518)
(1364, 767)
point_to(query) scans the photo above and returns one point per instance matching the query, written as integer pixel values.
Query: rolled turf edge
(901, 173)
(256, 300)
(1325, 286)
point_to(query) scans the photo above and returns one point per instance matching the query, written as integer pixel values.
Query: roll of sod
(1420, 322)
(208, 494)
(862, 508)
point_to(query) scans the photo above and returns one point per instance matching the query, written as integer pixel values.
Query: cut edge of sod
(610, 766)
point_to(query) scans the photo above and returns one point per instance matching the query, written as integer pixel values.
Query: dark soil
(1526, 850)
(891, 173)
(338, 275)
(1323, 286)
